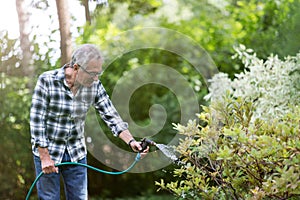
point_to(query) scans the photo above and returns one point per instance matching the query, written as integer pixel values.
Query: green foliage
(9, 55)
(246, 143)
(267, 26)
(15, 159)
(229, 158)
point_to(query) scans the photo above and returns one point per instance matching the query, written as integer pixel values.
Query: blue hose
(137, 158)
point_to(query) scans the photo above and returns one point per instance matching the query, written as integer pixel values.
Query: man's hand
(134, 145)
(48, 165)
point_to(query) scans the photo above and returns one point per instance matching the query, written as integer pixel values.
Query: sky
(9, 18)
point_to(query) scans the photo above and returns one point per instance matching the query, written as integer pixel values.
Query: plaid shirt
(57, 116)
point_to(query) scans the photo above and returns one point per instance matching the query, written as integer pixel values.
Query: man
(60, 103)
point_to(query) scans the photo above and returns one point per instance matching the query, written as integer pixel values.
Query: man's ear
(76, 66)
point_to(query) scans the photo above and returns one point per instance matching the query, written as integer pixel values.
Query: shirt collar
(60, 76)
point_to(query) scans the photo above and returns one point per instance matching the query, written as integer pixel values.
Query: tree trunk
(24, 29)
(64, 27)
(87, 11)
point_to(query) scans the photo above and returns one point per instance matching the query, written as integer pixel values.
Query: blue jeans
(74, 178)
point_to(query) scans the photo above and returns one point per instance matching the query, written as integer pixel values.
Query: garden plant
(246, 143)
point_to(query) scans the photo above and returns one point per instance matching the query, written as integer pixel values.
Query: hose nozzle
(145, 143)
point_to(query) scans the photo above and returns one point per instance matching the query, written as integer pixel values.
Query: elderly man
(60, 103)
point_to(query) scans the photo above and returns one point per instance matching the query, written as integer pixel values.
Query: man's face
(90, 73)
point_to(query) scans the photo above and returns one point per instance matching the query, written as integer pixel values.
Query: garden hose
(137, 158)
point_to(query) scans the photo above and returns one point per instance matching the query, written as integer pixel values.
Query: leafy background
(269, 27)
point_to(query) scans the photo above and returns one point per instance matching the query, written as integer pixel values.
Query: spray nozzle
(146, 142)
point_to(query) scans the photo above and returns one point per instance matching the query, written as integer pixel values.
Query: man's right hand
(48, 165)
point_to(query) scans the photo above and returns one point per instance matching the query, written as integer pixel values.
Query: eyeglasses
(92, 74)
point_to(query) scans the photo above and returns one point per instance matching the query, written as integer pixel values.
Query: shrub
(246, 143)
(272, 85)
(230, 158)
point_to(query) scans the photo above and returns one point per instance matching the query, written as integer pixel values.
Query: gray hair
(86, 53)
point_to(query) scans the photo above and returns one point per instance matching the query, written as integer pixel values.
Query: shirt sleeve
(38, 114)
(108, 112)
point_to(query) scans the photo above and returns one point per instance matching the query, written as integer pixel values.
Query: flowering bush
(246, 144)
(272, 85)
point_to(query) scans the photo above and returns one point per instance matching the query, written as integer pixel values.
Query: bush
(246, 143)
(272, 85)
(230, 158)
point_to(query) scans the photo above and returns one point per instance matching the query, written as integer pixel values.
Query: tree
(85, 3)
(25, 43)
(64, 27)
